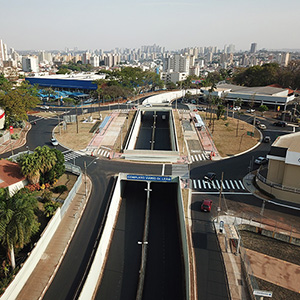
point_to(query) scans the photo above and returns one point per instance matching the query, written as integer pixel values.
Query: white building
(260, 95)
(94, 60)
(30, 64)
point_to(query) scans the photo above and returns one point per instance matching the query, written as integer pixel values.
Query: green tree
(262, 108)
(17, 101)
(18, 222)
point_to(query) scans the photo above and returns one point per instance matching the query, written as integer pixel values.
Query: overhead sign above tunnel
(150, 178)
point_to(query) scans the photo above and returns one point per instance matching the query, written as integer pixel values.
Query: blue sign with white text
(150, 178)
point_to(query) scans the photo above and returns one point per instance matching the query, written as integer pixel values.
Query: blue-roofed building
(82, 82)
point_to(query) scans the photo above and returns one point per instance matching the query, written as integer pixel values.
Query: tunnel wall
(135, 128)
(184, 241)
(173, 135)
(91, 284)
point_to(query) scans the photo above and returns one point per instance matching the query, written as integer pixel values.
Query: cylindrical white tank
(2, 118)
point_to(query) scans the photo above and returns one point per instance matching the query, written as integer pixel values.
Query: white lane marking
(199, 184)
(204, 184)
(231, 184)
(225, 193)
(228, 187)
(194, 183)
(241, 184)
(217, 182)
(163, 170)
(238, 187)
(213, 184)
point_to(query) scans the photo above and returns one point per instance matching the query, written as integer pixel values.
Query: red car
(206, 205)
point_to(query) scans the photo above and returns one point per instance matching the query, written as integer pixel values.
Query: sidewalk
(10, 145)
(49, 263)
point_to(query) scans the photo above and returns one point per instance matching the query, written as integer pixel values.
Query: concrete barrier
(184, 241)
(97, 268)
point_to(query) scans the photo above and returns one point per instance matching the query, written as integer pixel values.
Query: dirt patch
(279, 293)
(277, 249)
(271, 247)
(231, 136)
(78, 137)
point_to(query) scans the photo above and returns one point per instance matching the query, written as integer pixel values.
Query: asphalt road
(161, 136)
(211, 281)
(164, 269)
(121, 273)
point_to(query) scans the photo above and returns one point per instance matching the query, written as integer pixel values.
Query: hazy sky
(175, 24)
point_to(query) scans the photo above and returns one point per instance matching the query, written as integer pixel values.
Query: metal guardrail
(277, 185)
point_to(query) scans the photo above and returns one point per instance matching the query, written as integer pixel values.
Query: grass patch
(231, 135)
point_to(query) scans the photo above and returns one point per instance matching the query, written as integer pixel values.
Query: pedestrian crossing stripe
(198, 157)
(228, 184)
(102, 152)
(71, 155)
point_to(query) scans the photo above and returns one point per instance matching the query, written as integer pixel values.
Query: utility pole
(76, 119)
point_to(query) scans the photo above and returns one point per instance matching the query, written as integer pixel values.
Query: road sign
(150, 178)
(262, 293)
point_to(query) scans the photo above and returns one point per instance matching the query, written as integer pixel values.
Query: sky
(173, 24)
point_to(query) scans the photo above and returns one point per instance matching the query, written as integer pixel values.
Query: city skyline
(171, 24)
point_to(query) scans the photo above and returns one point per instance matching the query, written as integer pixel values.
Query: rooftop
(290, 141)
(10, 173)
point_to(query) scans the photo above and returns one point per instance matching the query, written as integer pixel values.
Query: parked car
(237, 108)
(200, 108)
(128, 102)
(279, 123)
(206, 205)
(45, 107)
(261, 160)
(267, 139)
(262, 126)
(54, 142)
(148, 105)
(251, 110)
(210, 176)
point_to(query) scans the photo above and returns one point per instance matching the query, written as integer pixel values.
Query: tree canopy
(17, 101)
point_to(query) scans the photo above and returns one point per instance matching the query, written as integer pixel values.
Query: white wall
(98, 265)
(134, 131)
(169, 96)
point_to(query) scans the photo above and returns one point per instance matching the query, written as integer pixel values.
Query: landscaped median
(41, 244)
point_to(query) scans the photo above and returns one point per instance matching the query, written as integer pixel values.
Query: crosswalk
(69, 155)
(233, 184)
(102, 152)
(198, 157)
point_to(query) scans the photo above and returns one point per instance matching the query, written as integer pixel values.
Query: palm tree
(30, 168)
(17, 220)
(45, 158)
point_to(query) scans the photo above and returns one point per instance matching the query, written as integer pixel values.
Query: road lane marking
(163, 170)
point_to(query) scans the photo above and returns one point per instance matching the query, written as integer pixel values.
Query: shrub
(46, 196)
(59, 189)
(50, 208)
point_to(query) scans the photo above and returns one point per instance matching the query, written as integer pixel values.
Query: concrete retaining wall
(24, 273)
(91, 283)
(173, 136)
(269, 233)
(134, 131)
(278, 193)
(170, 96)
(184, 241)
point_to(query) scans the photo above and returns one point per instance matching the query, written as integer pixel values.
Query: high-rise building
(253, 48)
(285, 59)
(3, 53)
(94, 60)
(30, 64)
